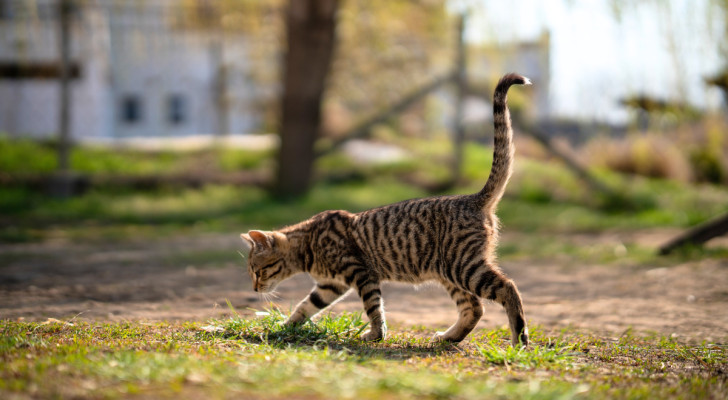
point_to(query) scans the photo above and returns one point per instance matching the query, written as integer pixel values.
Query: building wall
(29, 106)
(125, 50)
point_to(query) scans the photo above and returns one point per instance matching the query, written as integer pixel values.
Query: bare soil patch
(171, 279)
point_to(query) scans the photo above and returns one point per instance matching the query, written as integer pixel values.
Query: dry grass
(696, 152)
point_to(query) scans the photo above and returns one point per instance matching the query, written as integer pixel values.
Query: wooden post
(221, 95)
(65, 89)
(62, 183)
(698, 235)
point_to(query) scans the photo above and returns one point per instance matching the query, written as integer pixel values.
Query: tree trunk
(310, 34)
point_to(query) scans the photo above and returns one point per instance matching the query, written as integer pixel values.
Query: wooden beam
(697, 235)
(362, 129)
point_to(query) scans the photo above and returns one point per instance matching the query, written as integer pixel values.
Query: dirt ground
(149, 281)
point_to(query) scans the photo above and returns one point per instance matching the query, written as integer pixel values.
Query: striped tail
(503, 148)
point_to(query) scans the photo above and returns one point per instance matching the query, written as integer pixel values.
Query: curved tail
(503, 148)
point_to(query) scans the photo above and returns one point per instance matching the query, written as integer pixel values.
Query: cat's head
(267, 261)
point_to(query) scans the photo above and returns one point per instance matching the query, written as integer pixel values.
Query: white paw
(440, 337)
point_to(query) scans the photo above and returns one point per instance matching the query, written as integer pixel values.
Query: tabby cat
(448, 239)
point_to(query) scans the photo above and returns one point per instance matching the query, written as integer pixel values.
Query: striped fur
(449, 239)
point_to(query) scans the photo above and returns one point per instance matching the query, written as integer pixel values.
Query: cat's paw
(292, 322)
(372, 336)
(520, 340)
(444, 337)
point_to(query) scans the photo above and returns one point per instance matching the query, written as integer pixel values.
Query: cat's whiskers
(273, 294)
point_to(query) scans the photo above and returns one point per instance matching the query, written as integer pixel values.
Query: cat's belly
(413, 279)
(407, 274)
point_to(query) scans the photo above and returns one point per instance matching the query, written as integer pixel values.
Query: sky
(656, 47)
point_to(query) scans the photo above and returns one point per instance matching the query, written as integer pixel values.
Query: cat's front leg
(322, 296)
(371, 296)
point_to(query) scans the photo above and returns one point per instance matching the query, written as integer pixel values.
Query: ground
(194, 277)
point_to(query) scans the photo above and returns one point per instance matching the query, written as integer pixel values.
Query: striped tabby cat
(448, 239)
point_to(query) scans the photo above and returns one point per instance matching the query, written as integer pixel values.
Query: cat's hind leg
(470, 309)
(492, 284)
(322, 296)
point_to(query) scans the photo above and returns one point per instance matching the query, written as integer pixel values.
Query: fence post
(461, 85)
(62, 183)
(65, 92)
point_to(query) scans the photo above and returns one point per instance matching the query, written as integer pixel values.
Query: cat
(448, 239)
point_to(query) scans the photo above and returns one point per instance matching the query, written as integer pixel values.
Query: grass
(546, 210)
(254, 356)
(25, 156)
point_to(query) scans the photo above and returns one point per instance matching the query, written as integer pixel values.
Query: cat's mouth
(264, 287)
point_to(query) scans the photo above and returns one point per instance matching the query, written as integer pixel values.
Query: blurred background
(133, 120)
(194, 70)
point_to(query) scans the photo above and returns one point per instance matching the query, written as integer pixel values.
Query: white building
(140, 70)
(136, 71)
(531, 59)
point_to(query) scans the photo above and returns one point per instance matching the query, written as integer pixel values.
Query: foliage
(384, 49)
(709, 154)
(388, 48)
(651, 156)
(542, 196)
(691, 152)
(25, 156)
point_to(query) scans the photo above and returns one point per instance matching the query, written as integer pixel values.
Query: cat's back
(427, 213)
(405, 240)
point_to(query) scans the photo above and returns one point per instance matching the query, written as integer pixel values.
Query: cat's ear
(264, 240)
(247, 242)
(279, 240)
(261, 239)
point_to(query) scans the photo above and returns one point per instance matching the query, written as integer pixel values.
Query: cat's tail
(503, 148)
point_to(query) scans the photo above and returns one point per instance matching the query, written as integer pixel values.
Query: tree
(310, 35)
(384, 50)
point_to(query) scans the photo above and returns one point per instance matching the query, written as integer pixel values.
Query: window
(131, 109)
(24, 10)
(8, 9)
(176, 109)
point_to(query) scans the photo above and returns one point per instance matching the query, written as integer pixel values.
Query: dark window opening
(25, 10)
(131, 109)
(176, 109)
